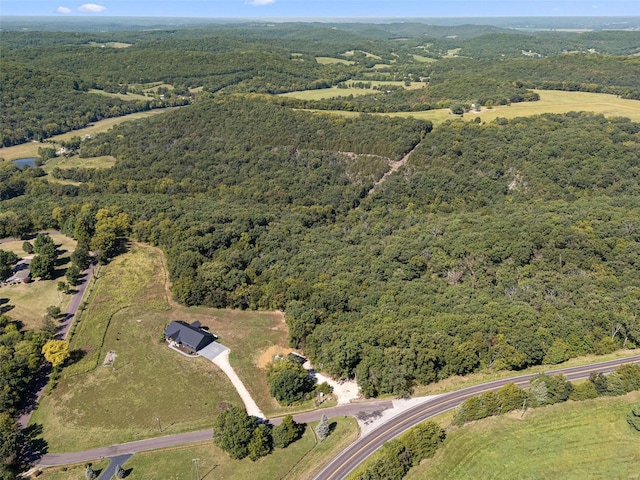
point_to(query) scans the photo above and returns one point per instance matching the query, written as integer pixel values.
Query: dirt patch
(267, 356)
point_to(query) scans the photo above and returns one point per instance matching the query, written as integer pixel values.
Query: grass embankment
(73, 472)
(573, 440)
(127, 311)
(28, 302)
(296, 462)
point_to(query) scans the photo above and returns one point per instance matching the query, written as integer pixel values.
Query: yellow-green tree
(56, 352)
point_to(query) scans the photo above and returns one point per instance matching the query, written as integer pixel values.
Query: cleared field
(399, 83)
(106, 161)
(574, 440)
(129, 97)
(333, 60)
(31, 149)
(28, 302)
(421, 59)
(110, 44)
(320, 94)
(551, 101)
(127, 311)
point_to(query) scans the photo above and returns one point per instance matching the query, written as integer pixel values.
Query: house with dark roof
(189, 336)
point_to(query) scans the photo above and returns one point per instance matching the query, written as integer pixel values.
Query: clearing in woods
(127, 311)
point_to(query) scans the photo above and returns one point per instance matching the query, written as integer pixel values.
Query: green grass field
(322, 93)
(551, 101)
(127, 311)
(29, 301)
(106, 161)
(422, 59)
(333, 61)
(296, 462)
(129, 97)
(574, 440)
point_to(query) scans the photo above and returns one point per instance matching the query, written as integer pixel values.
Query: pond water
(21, 163)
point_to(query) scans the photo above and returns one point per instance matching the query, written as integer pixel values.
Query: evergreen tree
(322, 429)
(120, 473)
(90, 473)
(261, 443)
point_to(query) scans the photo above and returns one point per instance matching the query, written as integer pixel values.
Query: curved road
(362, 448)
(357, 452)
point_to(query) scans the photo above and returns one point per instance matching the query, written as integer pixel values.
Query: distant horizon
(319, 9)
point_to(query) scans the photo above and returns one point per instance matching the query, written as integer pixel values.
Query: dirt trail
(394, 168)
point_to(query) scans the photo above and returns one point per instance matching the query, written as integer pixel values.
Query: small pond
(21, 163)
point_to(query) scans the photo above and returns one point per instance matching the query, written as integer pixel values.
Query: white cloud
(64, 10)
(261, 3)
(91, 7)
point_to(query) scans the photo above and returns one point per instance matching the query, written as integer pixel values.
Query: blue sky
(320, 8)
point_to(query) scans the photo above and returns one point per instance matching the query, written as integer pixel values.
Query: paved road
(360, 450)
(53, 459)
(110, 471)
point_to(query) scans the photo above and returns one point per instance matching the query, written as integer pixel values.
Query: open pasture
(129, 97)
(573, 440)
(323, 93)
(333, 61)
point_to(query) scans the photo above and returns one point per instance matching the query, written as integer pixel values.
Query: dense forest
(496, 245)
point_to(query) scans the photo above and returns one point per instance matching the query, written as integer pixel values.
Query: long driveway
(364, 447)
(355, 454)
(63, 332)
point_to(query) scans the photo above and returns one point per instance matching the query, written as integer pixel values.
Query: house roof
(191, 336)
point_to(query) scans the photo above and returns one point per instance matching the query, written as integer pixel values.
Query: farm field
(31, 149)
(105, 161)
(127, 310)
(551, 101)
(296, 462)
(332, 60)
(322, 93)
(28, 302)
(130, 97)
(574, 440)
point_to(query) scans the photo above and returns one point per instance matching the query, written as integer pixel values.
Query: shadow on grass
(6, 308)
(75, 356)
(206, 474)
(33, 447)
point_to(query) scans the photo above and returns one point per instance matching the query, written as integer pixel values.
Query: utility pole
(159, 425)
(196, 468)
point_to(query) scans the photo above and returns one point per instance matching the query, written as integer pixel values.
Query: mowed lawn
(28, 302)
(128, 308)
(573, 440)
